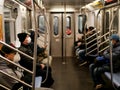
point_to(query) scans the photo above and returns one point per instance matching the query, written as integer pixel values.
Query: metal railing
(15, 64)
(89, 40)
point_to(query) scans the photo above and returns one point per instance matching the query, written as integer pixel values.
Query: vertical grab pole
(35, 44)
(64, 33)
(111, 63)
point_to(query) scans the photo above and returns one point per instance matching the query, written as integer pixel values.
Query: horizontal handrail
(91, 46)
(91, 51)
(91, 31)
(91, 41)
(91, 36)
(15, 78)
(4, 87)
(16, 64)
(103, 49)
(103, 42)
(104, 35)
(16, 50)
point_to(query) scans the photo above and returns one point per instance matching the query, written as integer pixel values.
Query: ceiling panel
(67, 2)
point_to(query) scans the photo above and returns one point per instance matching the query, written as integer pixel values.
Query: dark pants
(82, 56)
(47, 79)
(96, 73)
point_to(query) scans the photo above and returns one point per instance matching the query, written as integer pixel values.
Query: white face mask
(16, 58)
(29, 40)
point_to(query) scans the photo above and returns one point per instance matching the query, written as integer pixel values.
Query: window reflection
(81, 23)
(68, 25)
(115, 22)
(42, 24)
(7, 32)
(107, 23)
(55, 25)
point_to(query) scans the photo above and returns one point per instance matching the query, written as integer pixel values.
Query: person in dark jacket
(82, 55)
(41, 69)
(97, 70)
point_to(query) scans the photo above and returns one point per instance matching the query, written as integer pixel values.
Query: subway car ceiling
(76, 4)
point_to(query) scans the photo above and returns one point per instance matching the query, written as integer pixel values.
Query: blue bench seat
(116, 78)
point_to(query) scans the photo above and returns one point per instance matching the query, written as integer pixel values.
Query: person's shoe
(98, 86)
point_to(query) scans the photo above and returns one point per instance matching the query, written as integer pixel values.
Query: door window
(42, 24)
(68, 25)
(56, 25)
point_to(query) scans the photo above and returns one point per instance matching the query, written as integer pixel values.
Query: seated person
(41, 69)
(97, 69)
(82, 55)
(43, 57)
(13, 70)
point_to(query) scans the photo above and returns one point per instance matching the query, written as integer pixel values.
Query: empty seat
(116, 78)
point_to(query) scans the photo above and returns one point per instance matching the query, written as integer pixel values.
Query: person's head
(10, 54)
(24, 38)
(114, 38)
(91, 28)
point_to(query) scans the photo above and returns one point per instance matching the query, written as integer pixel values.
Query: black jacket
(29, 50)
(115, 56)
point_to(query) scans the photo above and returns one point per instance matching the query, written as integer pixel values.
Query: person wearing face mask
(28, 48)
(13, 70)
(98, 68)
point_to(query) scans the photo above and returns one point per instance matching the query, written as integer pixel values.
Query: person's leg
(82, 56)
(47, 79)
(98, 75)
(91, 69)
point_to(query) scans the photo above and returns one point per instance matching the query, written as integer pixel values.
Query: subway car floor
(70, 76)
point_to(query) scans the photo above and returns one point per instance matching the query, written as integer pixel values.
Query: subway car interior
(59, 45)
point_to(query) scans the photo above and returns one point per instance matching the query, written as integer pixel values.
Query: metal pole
(64, 33)
(35, 43)
(111, 63)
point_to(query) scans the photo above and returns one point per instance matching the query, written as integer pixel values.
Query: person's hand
(42, 66)
(78, 44)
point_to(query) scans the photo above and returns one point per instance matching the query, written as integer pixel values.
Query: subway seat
(116, 78)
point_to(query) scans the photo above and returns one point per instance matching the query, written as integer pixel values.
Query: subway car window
(7, 32)
(29, 23)
(9, 24)
(68, 25)
(56, 25)
(115, 22)
(42, 24)
(107, 23)
(81, 23)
